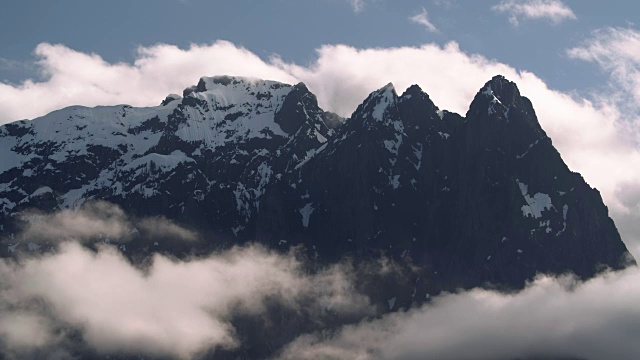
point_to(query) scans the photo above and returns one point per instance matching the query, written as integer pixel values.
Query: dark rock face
(463, 198)
(454, 202)
(469, 200)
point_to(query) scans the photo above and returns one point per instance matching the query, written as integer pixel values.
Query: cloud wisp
(554, 11)
(422, 18)
(95, 221)
(617, 52)
(357, 5)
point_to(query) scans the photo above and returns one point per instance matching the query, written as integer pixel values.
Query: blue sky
(294, 29)
(577, 60)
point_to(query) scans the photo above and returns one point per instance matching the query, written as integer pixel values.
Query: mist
(82, 297)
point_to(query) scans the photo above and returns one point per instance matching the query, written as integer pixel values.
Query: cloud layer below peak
(74, 302)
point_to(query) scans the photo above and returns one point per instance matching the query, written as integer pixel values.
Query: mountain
(468, 201)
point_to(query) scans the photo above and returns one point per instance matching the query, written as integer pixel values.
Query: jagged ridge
(470, 200)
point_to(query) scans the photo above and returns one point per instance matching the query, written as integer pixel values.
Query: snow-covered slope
(219, 142)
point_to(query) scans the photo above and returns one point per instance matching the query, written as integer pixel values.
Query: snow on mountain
(119, 151)
(255, 160)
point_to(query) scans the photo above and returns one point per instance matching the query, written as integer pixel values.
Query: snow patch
(536, 204)
(488, 91)
(306, 212)
(41, 191)
(394, 181)
(391, 302)
(417, 152)
(12, 248)
(387, 97)
(33, 246)
(565, 211)
(531, 146)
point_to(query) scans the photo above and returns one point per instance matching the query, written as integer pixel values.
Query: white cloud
(163, 227)
(552, 318)
(76, 78)
(616, 51)
(592, 137)
(422, 18)
(159, 307)
(182, 308)
(97, 219)
(553, 10)
(175, 308)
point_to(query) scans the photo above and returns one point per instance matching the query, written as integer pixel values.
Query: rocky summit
(463, 201)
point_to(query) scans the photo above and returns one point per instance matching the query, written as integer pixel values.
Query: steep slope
(469, 200)
(203, 159)
(474, 200)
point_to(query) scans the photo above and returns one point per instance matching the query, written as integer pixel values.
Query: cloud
(59, 304)
(97, 219)
(357, 5)
(161, 227)
(444, 3)
(8, 64)
(76, 78)
(422, 18)
(617, 52)
(551, 318)
(175, 308)
(592, 135)
(553, 10)
(159, 306)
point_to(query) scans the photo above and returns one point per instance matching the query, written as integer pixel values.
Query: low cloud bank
(166, 307)
(74, 300)
(553, 318)
(176, 308)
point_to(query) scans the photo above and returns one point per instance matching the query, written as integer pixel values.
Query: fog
(79, 297)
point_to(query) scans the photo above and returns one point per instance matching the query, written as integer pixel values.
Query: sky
(295, 29)
(578, 61)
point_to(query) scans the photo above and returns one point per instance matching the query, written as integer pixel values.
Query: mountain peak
(381, 99)
(413, 91)
(504, 90)
(219, 82)
(496, 98)
(388, 87)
